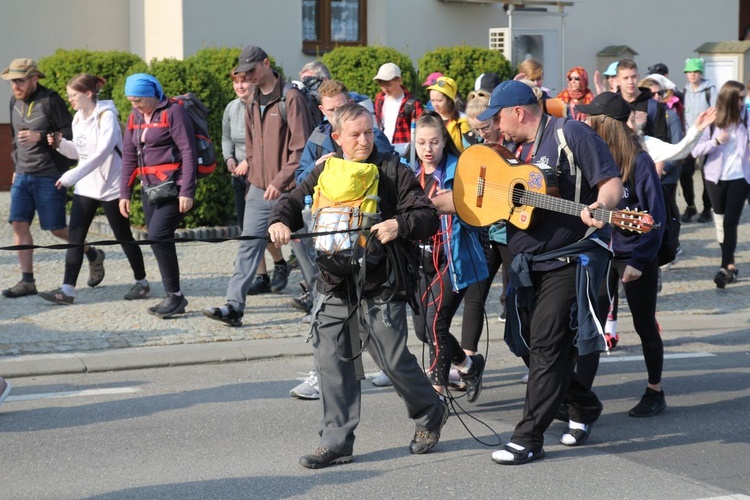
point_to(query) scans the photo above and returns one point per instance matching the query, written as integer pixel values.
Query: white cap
(388, 72)
(664, 82)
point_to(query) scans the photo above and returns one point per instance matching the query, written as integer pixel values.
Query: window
(330, 23)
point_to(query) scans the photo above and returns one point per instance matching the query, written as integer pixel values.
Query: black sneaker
(322, 457)
(651, 403)
(304, 302)
(706, 216)
(473, 379)
(261, 284)
(280, 277)
(170, 306)
(425, 440)
(232, 318)
(722, 278)
(688, 214)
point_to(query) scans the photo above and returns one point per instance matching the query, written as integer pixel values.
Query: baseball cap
(487, 81)
(659, 68)
(693, 64)
(508, 94)
(611, 69)
(608, 104)
(250, 56)
(388, 72)
(431, 78)
(21, 68)
(446, 86)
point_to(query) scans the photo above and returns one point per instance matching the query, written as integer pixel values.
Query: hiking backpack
(309, 91)
(205, 151)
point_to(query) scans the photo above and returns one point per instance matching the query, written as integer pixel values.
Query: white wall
(665, 31)
(37, 28)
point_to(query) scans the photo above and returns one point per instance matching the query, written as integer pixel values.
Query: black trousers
(551, 359)
(82, 214)
(687, 184)
(728, 198)
(162, 220)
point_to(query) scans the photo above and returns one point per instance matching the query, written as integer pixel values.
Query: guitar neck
(554, 204)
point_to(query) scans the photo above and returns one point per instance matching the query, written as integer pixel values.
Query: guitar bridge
(480, 185)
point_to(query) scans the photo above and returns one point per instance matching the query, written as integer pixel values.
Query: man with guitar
(557, 256)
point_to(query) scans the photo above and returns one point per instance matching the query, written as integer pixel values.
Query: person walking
(159, 145)
(727, 172)
(97, 145)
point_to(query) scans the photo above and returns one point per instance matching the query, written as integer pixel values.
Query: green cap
(694, 64)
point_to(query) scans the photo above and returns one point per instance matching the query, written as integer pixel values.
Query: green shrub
(63, 65)
(464, 64)
(356, 66)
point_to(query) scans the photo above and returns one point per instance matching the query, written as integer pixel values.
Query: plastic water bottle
(307, 213)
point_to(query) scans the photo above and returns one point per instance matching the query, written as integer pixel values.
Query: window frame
(324, 43)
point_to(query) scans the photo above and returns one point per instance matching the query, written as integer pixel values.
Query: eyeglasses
(72, 96)
(18, 81)
(483, 130)
(574, 78)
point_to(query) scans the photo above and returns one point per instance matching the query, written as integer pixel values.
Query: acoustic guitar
(492, 185)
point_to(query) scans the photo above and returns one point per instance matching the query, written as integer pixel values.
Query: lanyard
(537, 140)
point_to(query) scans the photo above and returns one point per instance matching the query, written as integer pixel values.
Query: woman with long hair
(635, 255)
(446, 103)
(452, 261)
(727, 172)
(97, 144)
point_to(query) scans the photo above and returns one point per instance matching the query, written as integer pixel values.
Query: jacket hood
(107, 105)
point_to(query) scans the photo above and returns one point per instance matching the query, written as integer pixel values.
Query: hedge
(356, 66)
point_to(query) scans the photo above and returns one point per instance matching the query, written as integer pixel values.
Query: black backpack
(670, 241)
(309, 91)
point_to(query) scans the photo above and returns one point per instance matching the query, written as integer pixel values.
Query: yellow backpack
(346, 200)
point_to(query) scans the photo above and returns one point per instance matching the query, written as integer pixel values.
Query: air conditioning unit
(500, 40)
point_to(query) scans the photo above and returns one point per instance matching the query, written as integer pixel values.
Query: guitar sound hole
(517, 192)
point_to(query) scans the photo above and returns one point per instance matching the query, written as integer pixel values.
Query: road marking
(73, 394)
(686, 355)
(730, 497)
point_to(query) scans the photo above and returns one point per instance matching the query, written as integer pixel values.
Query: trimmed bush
(356, 66)
(464, 64)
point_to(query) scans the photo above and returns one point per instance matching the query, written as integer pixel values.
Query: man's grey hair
(348, 112)
(317, 68)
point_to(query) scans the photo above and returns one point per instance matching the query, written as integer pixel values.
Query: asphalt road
(231, 431)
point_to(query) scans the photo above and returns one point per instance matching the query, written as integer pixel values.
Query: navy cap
(609, 104)
(506, 95)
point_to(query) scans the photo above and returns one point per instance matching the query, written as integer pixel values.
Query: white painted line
(72, 394)
(617, 359)
(730, 497)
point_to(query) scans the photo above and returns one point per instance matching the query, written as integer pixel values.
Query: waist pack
(345, 201)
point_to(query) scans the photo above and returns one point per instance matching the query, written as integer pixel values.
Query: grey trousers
(250, 252)
(307, 266)
(340, 391)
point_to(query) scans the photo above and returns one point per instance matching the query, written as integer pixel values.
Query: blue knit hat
(143, 85)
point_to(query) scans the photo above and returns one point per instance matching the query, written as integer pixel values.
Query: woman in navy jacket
(635, 254)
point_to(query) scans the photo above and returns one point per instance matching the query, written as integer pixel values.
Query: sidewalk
(37, 337)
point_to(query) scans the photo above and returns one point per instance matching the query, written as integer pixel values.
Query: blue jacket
(592, 268)
(320, 143)
(467, 262)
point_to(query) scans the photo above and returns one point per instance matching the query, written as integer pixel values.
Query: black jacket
(401, 198)
(44, 112)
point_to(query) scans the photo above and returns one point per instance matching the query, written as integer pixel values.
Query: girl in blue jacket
(452, 260)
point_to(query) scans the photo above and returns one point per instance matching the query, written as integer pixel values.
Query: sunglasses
(574, 78)
(659, 93)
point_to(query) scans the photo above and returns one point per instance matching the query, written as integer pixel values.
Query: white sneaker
(381, 380)
(309, 389)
